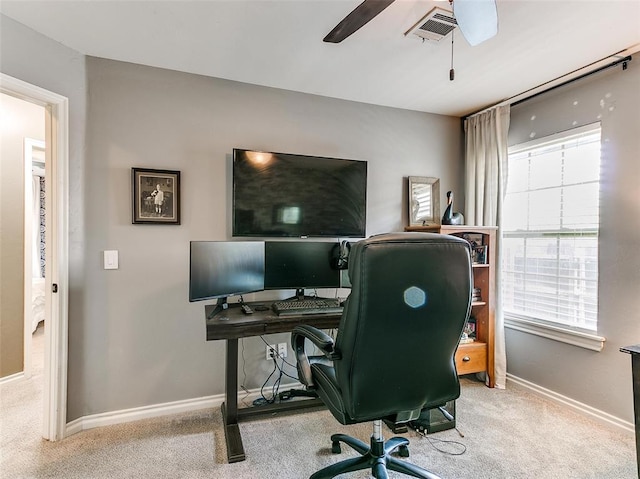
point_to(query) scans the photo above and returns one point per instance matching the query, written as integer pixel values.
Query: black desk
(239, 325)
(635, 372)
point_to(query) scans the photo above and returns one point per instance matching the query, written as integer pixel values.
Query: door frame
(30, 145)
(56, 249)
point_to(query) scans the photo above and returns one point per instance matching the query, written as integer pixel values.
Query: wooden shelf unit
(478, 356)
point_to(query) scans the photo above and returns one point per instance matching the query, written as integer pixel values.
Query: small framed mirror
(424, 201)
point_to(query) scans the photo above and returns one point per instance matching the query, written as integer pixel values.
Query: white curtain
(486, 181)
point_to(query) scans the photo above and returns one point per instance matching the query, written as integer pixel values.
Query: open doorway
(55, 110)
(24, 157)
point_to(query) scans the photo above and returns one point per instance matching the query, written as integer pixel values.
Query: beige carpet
(507, 434)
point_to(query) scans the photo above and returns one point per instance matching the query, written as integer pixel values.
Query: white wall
(599, 379)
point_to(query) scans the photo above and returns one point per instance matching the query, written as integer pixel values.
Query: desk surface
(240, 325)
(635, 349)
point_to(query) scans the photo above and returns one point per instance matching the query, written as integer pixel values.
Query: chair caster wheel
(403, 451)
(335, 447)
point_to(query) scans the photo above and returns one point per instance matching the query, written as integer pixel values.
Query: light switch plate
(111, 259)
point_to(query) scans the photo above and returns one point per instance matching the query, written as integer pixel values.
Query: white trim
(557, 333)
(29, 145)
(563, 136)
(27, 245)
(56, 167)
(158, 410)
(11, 378)
(189, 405)
(144, 412)
(572, 404)
(57, 267)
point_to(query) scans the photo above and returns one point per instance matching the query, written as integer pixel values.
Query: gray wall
(599, 379)
(134, 339)
(29, 56)
(143, 342)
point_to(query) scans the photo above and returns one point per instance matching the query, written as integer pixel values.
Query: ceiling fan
(476, 19)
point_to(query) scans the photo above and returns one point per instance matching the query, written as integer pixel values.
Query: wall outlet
(271, 352)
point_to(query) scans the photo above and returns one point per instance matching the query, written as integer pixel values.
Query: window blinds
(550, 229)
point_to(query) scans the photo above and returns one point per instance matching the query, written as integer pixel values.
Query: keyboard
(306, 306)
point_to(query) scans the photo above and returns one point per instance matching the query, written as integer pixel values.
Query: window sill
(557, 333)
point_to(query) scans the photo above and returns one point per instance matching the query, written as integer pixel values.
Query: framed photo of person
(156, 196)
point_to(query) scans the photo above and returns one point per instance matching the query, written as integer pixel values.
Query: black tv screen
(286, 195)
(218, 269)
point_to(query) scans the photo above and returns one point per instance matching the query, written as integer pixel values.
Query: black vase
(449, 217)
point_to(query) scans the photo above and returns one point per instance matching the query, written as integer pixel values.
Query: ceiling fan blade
(477, 19)
(359, 17)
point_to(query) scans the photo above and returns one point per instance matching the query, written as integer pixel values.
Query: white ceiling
(278, 43)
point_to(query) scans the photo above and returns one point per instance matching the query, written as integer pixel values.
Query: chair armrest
(320, 339)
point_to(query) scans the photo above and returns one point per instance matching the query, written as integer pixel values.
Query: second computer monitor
(299, 265)
(218, 269)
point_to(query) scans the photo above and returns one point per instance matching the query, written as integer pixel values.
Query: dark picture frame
(479, 254)
(474, 239)
(479, 249)
(156, 196)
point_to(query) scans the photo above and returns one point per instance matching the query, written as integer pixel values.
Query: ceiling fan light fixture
(477, 19)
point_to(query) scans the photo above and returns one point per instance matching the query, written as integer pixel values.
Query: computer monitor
(300, 264)
(218, 269)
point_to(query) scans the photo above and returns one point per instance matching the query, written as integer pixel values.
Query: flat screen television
(299, 265)
(286, 195)
(218, 269)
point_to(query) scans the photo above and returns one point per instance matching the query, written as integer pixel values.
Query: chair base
(376, 456)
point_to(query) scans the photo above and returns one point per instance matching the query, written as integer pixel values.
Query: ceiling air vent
(434, 26)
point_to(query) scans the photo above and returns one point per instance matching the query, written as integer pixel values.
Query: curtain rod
(624, 60)
(579, 77)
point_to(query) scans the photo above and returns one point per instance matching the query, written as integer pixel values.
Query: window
(550, 230)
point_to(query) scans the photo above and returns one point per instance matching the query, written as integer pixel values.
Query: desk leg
(235, 449)
(635, 371)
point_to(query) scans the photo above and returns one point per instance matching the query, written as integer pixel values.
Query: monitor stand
(220, 306)
(299, 296)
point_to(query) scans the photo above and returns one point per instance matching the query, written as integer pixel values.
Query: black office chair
(394, 351)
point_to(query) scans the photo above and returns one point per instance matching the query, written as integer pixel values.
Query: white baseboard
(11, 378)
(144, 412)
(195, 404)
(576, 406)
(159, 410)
